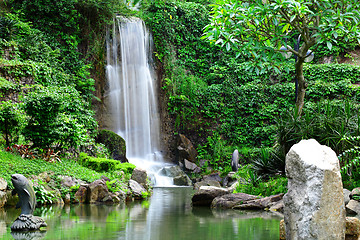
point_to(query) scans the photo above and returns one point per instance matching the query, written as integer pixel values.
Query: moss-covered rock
(114, 143)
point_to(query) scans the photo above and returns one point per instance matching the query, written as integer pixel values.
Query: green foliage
(105, 165)
(329, 122)
(43, 195)
(350, 164)
(10, 121)
(58, 116)
(251, 183)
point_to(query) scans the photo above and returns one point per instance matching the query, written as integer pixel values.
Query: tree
(259, 28)
(10, 121)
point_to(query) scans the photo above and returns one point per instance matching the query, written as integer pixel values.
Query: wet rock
(229, 201)
(3, 184)
(186, 149)
(259, 203)
(121, 195)
(140, 176)
(278, 206)
(171, 171)
(136, 189)
(182, 180)
(67, 198)
(81, 194)
(314, 203)
(353, 207)
(206, 194)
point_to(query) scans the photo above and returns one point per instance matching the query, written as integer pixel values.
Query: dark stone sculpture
(235, 161)
(27, 202)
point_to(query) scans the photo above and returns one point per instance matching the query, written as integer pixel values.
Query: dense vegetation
(50, 67)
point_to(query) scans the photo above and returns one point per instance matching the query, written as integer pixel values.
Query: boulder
(206, 183)
(353, 207)
(352, 228)
(192, 167)
(171, 171)
(346, 196)
(355, 192)
(3, 184)
(278, 206)
(81, 194)
(114, 143)
(182, 180)
(213, 177)
(3, 199)
(229, 179)
(207, 194)
(136, 189)
(68, 182)
(314, 203)
(228, 201)
(186, 149)
(98, 192)
(140, 176)
(259, 203)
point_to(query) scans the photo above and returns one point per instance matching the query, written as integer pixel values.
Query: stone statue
(27, 202)
(235, 161)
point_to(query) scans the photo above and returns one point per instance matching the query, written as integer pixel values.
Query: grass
(12, 163)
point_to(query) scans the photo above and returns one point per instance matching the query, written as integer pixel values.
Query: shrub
(114, 143)
(104, 165)
(10, 121)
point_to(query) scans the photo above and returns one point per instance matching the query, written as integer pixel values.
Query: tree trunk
(301, 85)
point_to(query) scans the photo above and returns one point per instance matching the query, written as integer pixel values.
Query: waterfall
(132, 95)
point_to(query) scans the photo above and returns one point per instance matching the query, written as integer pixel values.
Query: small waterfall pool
(168, 214)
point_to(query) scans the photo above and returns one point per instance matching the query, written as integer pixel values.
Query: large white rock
(314, 204)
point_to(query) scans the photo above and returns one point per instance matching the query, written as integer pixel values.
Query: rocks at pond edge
(140, 176)
(186, 149)
(314, 204)
(206, 194)
(353, 207)
(228, 201)
(136, 189)
(260, 203)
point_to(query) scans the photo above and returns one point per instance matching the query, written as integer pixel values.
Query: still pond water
(168, 215)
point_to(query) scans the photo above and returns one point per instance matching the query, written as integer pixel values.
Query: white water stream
(133, 97)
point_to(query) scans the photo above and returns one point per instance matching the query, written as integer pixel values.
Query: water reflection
(167, 215)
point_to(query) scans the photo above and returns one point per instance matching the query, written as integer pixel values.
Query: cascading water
(132, 93)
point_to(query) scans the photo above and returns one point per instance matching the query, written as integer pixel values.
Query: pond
(167, 215)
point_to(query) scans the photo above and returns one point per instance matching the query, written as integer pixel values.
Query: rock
(259, 203)
(114, 143)
(172, 171)
(353, 207)
(235, 161)
(228, 201)
(346, 196)
(278, 206)
(121, 195)
(206, 183)
(282, 233)
(136, 189)
(3, 199)
(45, 177)
(189, 166)
(98, 192)
(314, 203)
(355, 192)
(140, 176)
(229, 179)
(81, 194)
(182, 180)
(67, 198)
(352, 228)
(11, 200)
(3, 184)
(213, 176)
(186, 150)
(67, 181)
(206, 195)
